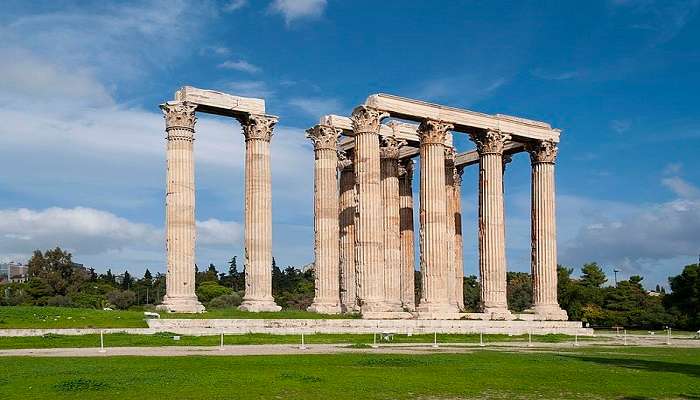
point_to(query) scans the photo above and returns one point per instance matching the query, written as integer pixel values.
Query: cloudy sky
(82, 159)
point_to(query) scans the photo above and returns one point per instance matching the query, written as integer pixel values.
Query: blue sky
(82, 139)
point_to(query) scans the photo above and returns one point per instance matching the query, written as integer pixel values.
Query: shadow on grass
(642, 365)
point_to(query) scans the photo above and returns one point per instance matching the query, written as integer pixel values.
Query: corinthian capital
(344, 161)
(324, 137)
(458, 171)
(544, 151)
(256, 126)
(389, 147)
(406, 168)
(179, 115)
(433, 131)
(366, 119)
(490, 142)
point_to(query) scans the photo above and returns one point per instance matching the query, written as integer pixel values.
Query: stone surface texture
(408, 258)
(347, 204)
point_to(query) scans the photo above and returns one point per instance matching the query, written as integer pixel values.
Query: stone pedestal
(326, 224)
(179, 209)
(544, 235)
(459, 243)
(435, 298)
(369, 252)
(492, 250)
(347, 200)
(408, 258)
(389, 154)
(258, 214)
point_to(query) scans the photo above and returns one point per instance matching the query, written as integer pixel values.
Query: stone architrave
(389, 155)
(543, 155)
(435, 299)
(492, 249)
(369, 255)
(326, 223)
(408, 258)
(459, 243)
(257, 130)
(179, 205)
(347, 198)
(450, 224)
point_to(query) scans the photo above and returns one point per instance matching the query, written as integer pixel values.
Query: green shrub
(226, 301)
(121, 299)
(207, 291)
(59, 301)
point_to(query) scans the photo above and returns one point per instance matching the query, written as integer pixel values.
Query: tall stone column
(459, 243)
(389, 155)
(492, 246)
(435, 299)
(258, 214)
(450, 224)
(326, 223)
(180, 228)
(408, 258)
(369, 255)
(348, 287)
(544, 232)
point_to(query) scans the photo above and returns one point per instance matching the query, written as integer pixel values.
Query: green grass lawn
(610, 373)
(64, 317)
(166, 339)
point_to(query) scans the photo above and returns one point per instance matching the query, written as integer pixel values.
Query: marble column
(408, 258)
(389, 155)
(450, 223)
(180, 231)
(348, 287)
(459, 243)
(435, 299)
(492, 246)
(369, 253)
(326, 222)
(544, 232)
(257, 130)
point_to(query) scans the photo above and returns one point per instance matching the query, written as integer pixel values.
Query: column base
(253, 305)
(409, 307)
(324, 308)
(548, 312)
(427, 310)
(349, 308)
(374, 306)
(498, 313)
(188, 305)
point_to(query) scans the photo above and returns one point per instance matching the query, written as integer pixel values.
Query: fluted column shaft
(459, 243)
(179, 205)
(450, 224)
(492, 252)
(326, 224)
(433, 215)
(369, 256)
(408, 259)
(348, 287)
(389, 154)
(258, 214)
(544, 235)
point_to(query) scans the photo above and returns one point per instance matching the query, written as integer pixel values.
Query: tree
(210, 290)
(519, 290)
(592, 275)
(684, 299)
(55, 267)
(471, 293)
(127, 281)
(122, 299)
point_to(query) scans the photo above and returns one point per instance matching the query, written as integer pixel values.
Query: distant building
(13, 272)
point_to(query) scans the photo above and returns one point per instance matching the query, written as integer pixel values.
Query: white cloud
(681, 188)
(234, 5)
(316, 106)
(217, 50)
(466, 89)
(240, 65)
(293, 10)
(250, 89)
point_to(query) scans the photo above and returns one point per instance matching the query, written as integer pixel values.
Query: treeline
(55, 280)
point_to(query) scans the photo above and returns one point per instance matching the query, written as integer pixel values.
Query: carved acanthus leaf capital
(324, 137)
(544, 151)
(406, 167)
(450, 155)
(179, 115)
(390, 146)
(258, 127)
(458, 171)
(366, 119)
(490, 142)
(344, 161)
(433, 131)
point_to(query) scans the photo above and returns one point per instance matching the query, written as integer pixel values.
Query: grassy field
(63, 317)
(609, 373)
(166, 339)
